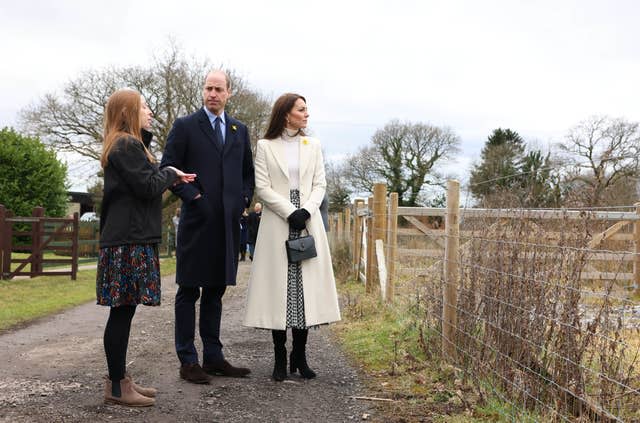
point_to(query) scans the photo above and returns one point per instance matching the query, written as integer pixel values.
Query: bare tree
(599, 153)
(338, 190)
(404, 156)
(71, 121)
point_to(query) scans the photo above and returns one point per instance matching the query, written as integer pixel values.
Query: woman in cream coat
(290, 182)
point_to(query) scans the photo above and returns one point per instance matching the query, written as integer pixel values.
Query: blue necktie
(218, 131)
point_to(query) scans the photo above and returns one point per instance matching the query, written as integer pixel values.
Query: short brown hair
(226, 77)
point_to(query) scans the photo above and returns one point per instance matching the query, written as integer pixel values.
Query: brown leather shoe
(193, 373)
(225, 369)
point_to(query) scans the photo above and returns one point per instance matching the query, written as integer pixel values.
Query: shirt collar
(213, 117)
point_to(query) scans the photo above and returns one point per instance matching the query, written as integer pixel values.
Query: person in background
(253, 223)
(128, 271)
(290, 181)
(216, 146)
(243, 235)
(175, 220)
(324, 212)
(171, 240)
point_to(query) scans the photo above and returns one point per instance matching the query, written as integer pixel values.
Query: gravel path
(52, 371)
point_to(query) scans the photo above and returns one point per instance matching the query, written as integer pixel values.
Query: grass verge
(23, 300)
(401, 362)
(384, 341)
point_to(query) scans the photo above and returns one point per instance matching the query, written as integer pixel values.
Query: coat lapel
(205, 126)
(277, 149)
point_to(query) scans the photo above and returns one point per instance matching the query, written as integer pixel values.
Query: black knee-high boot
(298, 358)
(280, 350)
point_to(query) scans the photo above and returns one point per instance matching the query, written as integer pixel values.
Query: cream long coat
(267, 295)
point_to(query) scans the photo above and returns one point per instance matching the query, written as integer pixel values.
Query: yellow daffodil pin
(305, 141)
(234, 127)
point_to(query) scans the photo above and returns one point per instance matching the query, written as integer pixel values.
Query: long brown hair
(122, 119)
(283, 105)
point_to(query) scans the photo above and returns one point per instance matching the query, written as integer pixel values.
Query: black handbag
(301, 248)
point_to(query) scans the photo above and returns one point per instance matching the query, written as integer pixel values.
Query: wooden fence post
(347, 222)
(392, 249)
(37, 229)
(380, 211)
(382, 269)
(357, 236)
(379, 223)
(369, 272)
(361, 275)
(7, 238)
(74, 246)
(451, 269)
(339, 233)
(3, 215)
(332, 231)
(636, 250)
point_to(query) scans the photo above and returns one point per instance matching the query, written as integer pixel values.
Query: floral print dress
(128, 275)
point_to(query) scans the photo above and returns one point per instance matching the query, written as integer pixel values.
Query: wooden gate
(45, 234)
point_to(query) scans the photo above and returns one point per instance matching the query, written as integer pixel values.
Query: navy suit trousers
(210, 315)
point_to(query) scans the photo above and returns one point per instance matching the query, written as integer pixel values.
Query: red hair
(122, 119)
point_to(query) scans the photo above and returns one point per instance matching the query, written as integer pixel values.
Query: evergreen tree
(498, 169)
(30, 176)
(539, 181)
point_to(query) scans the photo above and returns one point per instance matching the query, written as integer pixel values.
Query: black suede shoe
(223, 368)
(193, 373)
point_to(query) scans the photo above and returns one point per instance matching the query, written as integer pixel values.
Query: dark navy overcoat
(209, 228)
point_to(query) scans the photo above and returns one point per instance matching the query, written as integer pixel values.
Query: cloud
(536, 67)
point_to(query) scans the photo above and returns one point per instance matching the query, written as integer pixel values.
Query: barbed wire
(627, 388)
(557, 321)
(518, 174)
(633, 207)
(622, 300)
(534, 244)
(518, 364)
(534, 372)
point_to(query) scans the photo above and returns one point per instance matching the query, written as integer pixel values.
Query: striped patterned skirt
(295, 297)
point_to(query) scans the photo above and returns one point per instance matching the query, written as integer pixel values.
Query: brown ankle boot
(147, 392)
(128, 397)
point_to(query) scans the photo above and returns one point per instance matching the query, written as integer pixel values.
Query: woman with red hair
(130, 231)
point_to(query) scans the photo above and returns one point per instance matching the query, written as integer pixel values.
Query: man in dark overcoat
(216, 147)
(253, 223)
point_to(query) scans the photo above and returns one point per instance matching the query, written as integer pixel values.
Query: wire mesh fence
(538, 308)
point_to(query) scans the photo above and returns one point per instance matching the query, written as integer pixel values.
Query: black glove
(297, 219)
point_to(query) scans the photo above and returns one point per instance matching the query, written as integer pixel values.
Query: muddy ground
(52, 371)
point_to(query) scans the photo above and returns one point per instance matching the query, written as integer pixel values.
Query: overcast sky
(537, 67)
